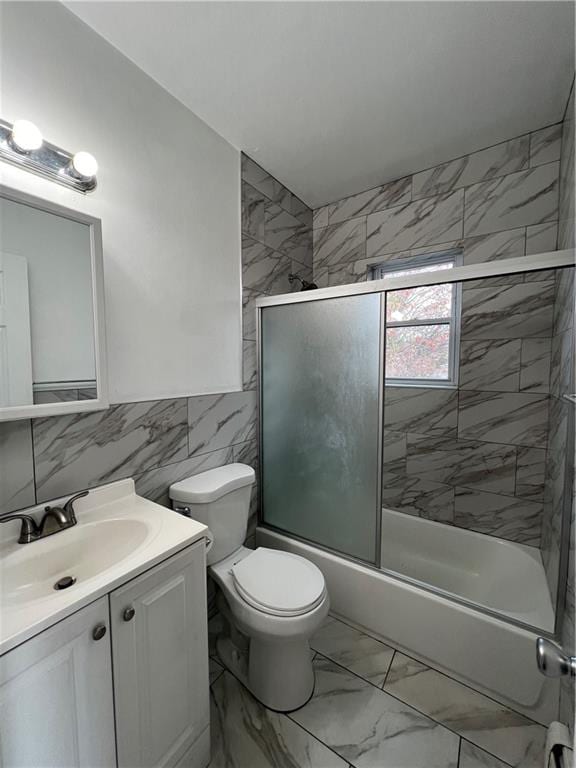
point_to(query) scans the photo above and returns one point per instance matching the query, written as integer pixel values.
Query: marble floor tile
(354, 650)
(513, 418)
(371, 729)
(88, 449)
(421, 409)
(482, 721)
(218, 421)
(516, 200)
(247, 735)
(507, 157)
(16, 466)
(492, 365)
(214, 670)
(474, 757)
(423, 222)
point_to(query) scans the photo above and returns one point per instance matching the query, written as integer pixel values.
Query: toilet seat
(279, 583)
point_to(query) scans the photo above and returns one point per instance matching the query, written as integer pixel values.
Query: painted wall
(168, 197)
(162, 441)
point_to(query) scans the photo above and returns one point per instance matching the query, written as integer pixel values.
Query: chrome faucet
(55, 519)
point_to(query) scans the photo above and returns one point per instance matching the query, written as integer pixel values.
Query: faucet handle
(69, 506)
(29, 529)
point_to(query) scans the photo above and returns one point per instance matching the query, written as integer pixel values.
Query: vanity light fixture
(21, 144)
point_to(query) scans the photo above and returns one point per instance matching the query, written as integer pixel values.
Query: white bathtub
(500, 575)
(488, 653)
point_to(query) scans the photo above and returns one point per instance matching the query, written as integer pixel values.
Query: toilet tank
(219, 498)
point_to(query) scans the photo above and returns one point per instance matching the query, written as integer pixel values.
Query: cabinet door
(160, 653)
(56, 706)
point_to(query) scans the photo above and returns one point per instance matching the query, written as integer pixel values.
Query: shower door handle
(552, 661)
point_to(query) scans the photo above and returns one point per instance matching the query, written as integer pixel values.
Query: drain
(65, 582)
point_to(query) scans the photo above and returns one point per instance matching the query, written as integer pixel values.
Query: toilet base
(279, 674)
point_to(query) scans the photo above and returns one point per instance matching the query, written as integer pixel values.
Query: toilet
(272, 601)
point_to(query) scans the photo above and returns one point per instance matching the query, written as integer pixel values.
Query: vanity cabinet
(123, 681)
(160, 653)
(56, 703)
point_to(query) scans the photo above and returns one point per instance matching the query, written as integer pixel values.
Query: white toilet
(273, 601)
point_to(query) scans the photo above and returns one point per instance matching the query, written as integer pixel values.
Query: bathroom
(310, 283)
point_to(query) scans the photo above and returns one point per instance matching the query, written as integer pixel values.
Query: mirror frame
(33, 411)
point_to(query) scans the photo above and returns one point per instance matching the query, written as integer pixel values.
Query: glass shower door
(321, 412)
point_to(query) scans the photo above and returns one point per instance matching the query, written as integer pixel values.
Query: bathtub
(488, 653)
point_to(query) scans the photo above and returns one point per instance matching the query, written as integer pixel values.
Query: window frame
(382, 271)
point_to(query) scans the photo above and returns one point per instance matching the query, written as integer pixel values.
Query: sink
(83, 552)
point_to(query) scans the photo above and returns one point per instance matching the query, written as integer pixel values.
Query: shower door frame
(522, 264)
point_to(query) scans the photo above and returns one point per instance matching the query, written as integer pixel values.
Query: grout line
(467, 741)
(438, 671)
(389, 668)
(459, 752)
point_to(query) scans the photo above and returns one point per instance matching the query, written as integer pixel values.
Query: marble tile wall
(162, 441)
(564, 332)
(475, 456)
(500, 202)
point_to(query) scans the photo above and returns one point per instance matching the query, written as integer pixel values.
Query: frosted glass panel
(320, 379)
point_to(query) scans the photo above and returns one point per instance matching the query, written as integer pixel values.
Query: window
(422, 324)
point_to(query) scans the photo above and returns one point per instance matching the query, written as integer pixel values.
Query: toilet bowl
(272, 601)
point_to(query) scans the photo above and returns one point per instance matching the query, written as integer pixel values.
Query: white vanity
(112, 670)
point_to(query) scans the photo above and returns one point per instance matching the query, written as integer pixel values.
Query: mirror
(51, 309)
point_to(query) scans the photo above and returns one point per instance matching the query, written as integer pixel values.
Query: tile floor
(373, 707)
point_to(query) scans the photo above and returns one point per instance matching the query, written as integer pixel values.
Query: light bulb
(85, 165)
(25, 137)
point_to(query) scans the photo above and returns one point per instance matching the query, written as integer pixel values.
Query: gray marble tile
(424, 410)
(16, 466)
(249, 365)
(490, 365)
(530, 473)
(155, 483)
(535, 366)
(342, 274)
(385, 196)
(302, 212)
(508, 311)
(415, 496)
(340, 244)
(261, 180)
(509, 244)
(320, 216)
(471, 463)
(216, 626)
(474, 757)
(247, 735)
(506, 517)
(424, 222)
(486, 164)
(249, 296)
(482, 721)
(517, 200)
(567, 188)
(564, 292)
(287, 234)
(510, 418)
(218, 421)
(371, 729)
(88, 449)
(247, 453)
(394, 452)
(264, 270)
(253, 210)
(541, 238)
(545, 145)
(350, 648)
(214, 670)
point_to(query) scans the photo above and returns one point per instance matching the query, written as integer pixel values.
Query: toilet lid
(279, 583)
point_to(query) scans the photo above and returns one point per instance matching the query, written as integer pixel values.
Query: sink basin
(83, 552)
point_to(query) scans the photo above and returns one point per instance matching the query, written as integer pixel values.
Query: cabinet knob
(129, 613)
(99, 631)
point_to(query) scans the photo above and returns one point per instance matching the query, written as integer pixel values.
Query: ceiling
(336, 97)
